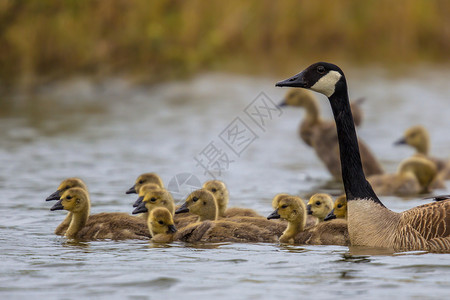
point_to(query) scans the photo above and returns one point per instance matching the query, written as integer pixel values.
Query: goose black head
(321, 77)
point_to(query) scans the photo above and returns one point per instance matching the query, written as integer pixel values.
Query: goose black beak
(58, 206)
(330, 216)
(274, 215)
(308, 209)
(140, 209)
(55, 196)
(401, 141)
(131, 190)
(294, 81)
(172, 229)
(182, 209)
(138, 201)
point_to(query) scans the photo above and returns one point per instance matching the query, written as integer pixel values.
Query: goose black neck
(355, 183)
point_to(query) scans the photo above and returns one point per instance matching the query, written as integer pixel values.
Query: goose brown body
(322, 136)
(116, 226)
(370, 223)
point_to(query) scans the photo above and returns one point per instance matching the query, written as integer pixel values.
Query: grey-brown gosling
(321, 135)
(414, 176)
(220, 192)
(161, 225)
(293, 210)
(418, 138)
(116, 226)
(370, 223)
(143, 179)
(64, 186)
(319, 206)
(339, 209)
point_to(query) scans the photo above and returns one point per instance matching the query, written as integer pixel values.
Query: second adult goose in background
(415, 175)
(418, 138)
(370, 223)
(322, 136)
(116, 226)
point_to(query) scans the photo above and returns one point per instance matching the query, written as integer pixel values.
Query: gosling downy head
(65, 185)
(153, 199)
(277, 199)
(291, 209)
(143, 179)
(202, 203)
(74, 200)
(416, 137)
(161, 223)
(319, 206)
(339, 209)
(143, 190)
(298, 97)
(220, 192)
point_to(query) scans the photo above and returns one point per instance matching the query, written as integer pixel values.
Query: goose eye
(153, 199)
(317, 202)
(320, 69)
(68, 197)
(284, 206)
(141, 181)
(214, 190)
(161, 222)
(339, 206)
(195, 199)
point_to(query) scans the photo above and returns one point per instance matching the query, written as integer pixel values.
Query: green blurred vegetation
(162, 39)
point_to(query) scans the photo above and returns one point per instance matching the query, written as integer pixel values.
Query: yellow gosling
(339, 209)
(161, 225)
(144, 179)
(319, 206)
(116, 226)
(64, 186)
(153, 199)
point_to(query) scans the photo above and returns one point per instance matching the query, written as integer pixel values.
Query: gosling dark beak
(330, 216)
(131, 190)
(58, 206)
(294, 81)
(274, 215)
(401, 141)
(182, 209)
(138, 201)
(172, 229)
(308, 209)
(55, 196)
(140, 209)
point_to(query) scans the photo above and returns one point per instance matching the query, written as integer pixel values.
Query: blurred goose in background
(116, 226)
(319, 206)
(415, 175)
(144, 179)
(418, 138)
(322, 135)
(339, 209)
(370, 223)
(293, 210)
(64, 186)
(220, 192)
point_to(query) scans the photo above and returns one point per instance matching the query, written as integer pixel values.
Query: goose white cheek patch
(327, 83)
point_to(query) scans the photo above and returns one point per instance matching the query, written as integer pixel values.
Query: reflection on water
(109, 133)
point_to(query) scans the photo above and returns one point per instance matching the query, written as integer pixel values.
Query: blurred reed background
(47, 40)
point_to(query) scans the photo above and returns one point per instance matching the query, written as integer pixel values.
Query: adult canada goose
(143, 179)
(64, 186)
(220, 192)
(418, 138)
(293, 210)
(116, 226)
(370, 223)
(322, 136)
(161, 225)
(415, 175)
(339, 209)
(319, 206)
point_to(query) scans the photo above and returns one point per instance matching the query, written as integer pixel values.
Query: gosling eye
(161, 222)
(284, 206)
(317, 202)
(153, 199)
(321, 69)
(214, 190)
(339, 206)
(141, 181)
(68, 197)
(195, 199)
